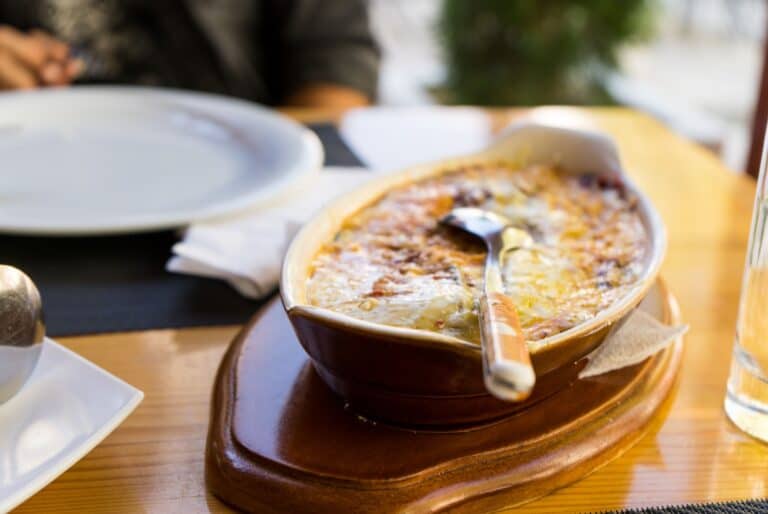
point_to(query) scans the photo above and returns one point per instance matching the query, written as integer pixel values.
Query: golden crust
(393, 263)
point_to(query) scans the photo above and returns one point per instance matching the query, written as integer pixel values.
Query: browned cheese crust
(393, 263)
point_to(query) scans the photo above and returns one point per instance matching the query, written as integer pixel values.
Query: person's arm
(34, 59)
(326, 55)
(328, 95)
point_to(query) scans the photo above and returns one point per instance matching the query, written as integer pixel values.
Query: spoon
(507, 370)
(21, 330)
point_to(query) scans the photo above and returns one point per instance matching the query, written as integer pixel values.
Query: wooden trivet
(280, 441)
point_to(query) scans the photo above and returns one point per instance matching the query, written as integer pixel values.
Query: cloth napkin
(247, 249)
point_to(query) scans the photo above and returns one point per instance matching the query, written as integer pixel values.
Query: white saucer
(97, 160)
(68, 406)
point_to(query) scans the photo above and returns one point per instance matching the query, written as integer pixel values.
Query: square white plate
(68, 406)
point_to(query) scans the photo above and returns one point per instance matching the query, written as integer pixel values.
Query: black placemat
(735, 507)
(119, 283)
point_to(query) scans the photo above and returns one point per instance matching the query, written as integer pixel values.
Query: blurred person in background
(310, 53)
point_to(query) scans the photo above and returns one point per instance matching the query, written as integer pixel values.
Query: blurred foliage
(528, 52)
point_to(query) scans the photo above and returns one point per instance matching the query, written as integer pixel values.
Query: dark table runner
(119, 283)
(734, 507)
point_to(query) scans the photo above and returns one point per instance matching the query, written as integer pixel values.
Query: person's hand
(34, 59)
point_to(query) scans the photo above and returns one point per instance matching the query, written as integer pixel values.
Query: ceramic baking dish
(416, 377)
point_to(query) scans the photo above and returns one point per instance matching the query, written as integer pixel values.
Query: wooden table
(154, 461)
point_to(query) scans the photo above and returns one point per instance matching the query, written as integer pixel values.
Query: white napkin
(247, 249)
(641, 336)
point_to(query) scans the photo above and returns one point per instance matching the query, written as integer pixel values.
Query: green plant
(527, 52)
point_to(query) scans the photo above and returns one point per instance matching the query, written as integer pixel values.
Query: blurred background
(694, 64)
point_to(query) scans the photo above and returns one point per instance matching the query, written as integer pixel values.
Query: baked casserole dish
(384, 299)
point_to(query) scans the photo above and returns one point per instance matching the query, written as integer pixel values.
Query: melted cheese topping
(393, 263)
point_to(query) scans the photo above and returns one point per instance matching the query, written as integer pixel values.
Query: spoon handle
(507, 366)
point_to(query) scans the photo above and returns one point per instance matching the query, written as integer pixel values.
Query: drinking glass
(746, 401)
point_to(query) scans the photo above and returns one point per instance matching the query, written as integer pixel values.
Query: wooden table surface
(154, 461)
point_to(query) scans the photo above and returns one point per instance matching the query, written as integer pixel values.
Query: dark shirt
(261, 50)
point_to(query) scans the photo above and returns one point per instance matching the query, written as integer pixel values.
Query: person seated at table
(309, 53)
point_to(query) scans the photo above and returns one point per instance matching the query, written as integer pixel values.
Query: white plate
(96, 160)
(67, 407)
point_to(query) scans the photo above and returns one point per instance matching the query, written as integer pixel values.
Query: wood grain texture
(154, 461)
(280, 441)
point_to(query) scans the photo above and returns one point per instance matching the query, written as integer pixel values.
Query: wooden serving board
(281, 441)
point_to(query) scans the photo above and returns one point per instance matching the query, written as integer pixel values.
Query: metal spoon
(507, 369)
(21, 330)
